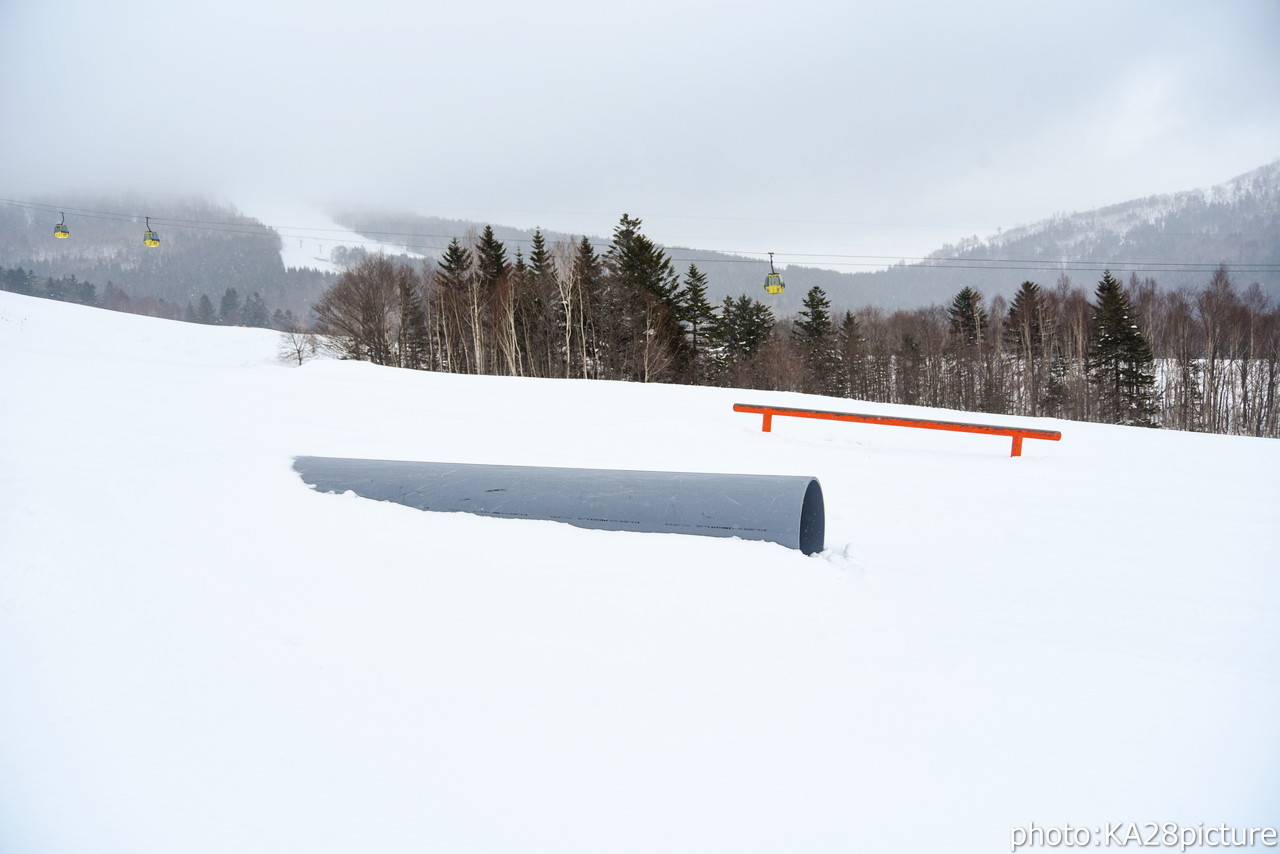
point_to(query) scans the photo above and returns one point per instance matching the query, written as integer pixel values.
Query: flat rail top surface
(927, 423)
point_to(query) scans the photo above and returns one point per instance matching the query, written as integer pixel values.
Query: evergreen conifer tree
(641, 311)
(968, 320)
(639, 266)
(584, 296)
(283, 320)
(1121, 365)
(411, 335)
(696, 312)
(18, 281)
(543, 312)
(968, 317)
(586, 262)
(815, 334)
(490, 342)
(229, 308)
(1056, 392)
(491, 259)
(1024, 335)
(454, 279)
(254, 312)
(853, 356)
(1024, 324)
(540, 261)
(205, 312)
(456, 265)
(742, 326)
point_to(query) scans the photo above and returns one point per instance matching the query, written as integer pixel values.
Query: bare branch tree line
(1206, 360)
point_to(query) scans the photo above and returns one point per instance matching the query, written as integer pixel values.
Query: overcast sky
(841, 127)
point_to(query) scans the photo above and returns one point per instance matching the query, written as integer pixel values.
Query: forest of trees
(206, 248)
(230, 310)
(1127, 353)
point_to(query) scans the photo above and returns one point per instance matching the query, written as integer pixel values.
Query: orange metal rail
(1015, 433)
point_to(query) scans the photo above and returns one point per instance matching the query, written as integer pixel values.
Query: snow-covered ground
(198, 653)
(308, 236)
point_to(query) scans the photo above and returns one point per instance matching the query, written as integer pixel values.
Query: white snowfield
(308, 236)
(200, 654)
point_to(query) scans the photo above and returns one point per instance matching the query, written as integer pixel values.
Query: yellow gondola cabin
(773, 281)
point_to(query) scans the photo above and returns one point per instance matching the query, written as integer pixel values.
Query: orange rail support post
(1017, 434)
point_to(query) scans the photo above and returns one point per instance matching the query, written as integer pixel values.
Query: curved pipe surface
(776, 508)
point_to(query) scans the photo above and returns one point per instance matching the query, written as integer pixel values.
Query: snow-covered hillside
(1071, 232)
(198, 653)
(308, 236)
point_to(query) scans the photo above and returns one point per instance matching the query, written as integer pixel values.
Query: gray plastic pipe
(780, 509)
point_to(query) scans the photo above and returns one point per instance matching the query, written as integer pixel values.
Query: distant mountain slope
(205, 248)
(1177, 239)
(1241, 213)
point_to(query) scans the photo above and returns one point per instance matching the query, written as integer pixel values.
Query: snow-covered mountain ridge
(1178, 240)
(1259, 188)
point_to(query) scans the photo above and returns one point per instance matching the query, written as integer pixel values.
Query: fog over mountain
(1176, 239)
(836, 134)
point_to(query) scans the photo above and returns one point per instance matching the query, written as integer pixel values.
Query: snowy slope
(200, 654)
(308, 236)
(1087, 228)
